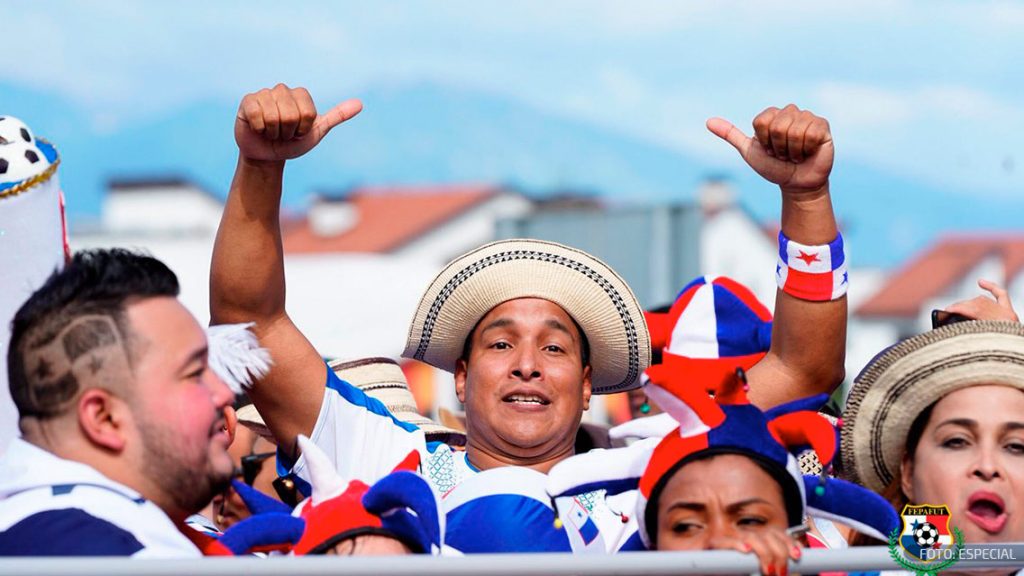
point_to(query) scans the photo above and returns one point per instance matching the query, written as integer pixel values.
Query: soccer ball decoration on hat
(20, 157)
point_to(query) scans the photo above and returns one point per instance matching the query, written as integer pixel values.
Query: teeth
(525, 399)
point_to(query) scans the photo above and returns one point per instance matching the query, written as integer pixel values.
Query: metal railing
(633, 564)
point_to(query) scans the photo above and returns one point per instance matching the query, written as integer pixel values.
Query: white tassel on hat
(236, 356)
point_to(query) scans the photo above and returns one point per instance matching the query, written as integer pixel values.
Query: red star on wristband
(808, 258)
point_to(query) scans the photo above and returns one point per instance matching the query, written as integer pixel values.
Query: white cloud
(967, 103)
(863, 105)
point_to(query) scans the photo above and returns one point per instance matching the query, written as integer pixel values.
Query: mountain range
(429, 134)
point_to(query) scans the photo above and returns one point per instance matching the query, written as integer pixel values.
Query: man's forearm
(809, 338)
(808, 218)
(247, 272)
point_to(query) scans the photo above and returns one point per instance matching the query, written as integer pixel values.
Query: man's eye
(684, 527)
(753, 521)
(196, 374)
(553, 348)
(501, 346)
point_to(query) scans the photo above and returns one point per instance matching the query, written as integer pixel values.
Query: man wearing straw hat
(530, 329)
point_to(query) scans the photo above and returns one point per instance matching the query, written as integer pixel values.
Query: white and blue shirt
(366, 442)
(50, 506)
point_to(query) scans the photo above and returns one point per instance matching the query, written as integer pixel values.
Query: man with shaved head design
(121, 419)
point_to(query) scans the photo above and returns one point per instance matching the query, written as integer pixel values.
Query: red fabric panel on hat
(660, 327)
(410, 463)
(671, 377)
(806, 427)
(670, 450)
(710, 374)
(340, 514)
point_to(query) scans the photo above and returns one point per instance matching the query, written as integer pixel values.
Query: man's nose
(526, 365)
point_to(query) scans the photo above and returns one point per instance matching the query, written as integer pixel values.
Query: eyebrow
(692, 506)
(198, 356)
(499, 323)
(556, 325)
(552, 323)
(964, 422)
(973, 424)
(698, 507)
(744, 503)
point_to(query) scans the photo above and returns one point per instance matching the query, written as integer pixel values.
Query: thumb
(340, 113)
(726, 131)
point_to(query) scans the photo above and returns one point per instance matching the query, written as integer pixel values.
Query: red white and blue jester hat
(727, 424)
(714, 326)
(729, 333)
(401, 505)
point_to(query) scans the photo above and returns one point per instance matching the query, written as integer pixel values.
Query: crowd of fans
(143, 434)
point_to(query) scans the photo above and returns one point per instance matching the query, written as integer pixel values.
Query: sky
(927, 90)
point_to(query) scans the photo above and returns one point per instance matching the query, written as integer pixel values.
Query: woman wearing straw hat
(530, 329)
(938, 419)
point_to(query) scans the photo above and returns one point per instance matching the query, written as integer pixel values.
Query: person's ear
(461, 369)
(230, 423)
(587, 389)
(907, 476)
(103, 418)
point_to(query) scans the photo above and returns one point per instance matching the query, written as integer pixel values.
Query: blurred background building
(358, 259)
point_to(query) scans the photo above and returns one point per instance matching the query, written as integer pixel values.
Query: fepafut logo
(926, 544)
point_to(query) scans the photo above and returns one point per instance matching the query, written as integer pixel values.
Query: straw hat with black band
(596, 298)
(905, 379)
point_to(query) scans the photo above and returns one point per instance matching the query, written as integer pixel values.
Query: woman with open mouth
(938, 419)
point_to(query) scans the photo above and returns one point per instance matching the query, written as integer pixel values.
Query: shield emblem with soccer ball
(926, 531)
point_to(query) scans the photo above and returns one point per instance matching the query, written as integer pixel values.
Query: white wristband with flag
(816, 273)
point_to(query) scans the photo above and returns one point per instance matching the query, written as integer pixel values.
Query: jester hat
(401, 505)
(714, 326)
(727, 424)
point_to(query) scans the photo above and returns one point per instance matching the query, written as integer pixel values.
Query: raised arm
(247, 274)
(793, 148)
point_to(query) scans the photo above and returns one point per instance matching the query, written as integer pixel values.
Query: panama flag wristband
(816, 273)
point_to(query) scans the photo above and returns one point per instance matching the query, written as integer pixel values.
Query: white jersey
(55, 507)
(366, 442)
